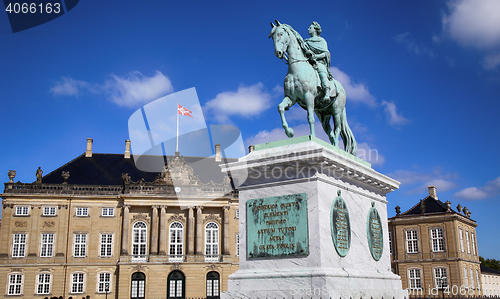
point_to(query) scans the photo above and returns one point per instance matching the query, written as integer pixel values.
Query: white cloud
(129, 91)
(412, 46)
(473, 23)
(247, 101)
(392, 114)
(356, 92)
(490, 189)
(136, 89)
(419, 181)
(491, 61)
(369, 154)
(69, 87)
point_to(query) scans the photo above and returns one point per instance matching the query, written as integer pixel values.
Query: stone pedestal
(317, 170)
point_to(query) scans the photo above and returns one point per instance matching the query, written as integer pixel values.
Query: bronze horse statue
(302, 86)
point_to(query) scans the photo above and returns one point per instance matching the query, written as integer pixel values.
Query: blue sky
(422, 81)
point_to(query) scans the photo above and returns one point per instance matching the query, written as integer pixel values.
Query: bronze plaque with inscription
(374, 233)
(340, 226)
(277, 226)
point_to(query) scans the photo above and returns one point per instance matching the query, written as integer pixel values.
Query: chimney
(432, 192)
(88, 153)
(218, 157)
(250, 149)
(127, 149)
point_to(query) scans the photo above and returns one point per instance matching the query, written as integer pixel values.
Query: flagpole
(177, 145)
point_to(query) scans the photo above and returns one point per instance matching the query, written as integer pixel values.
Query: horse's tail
(347, 136)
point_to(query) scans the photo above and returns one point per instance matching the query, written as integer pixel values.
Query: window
(49, 211)
(237, 214)
(15, 284)
(19, 245)
(139, 285)
(471, 278)
(22, 211)
(176, 285)
(47, 249)
(43, 283)
(467, 240)
(176, 233)
(212, 242)
(461, 239)
(237, 245)
(437, 239)
(477, 279)
(82, 212)
(108, 212)
(104, 285)
(465, 277)
(106, 245)
(390, 242)
(80, 245)
(77, 283)
(411, 241)
(440, 278)
(213, 279)
(139, 234)
(415, 281)
(473, 243)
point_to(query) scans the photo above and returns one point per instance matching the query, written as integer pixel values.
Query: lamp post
(106, 288)
(443, 282)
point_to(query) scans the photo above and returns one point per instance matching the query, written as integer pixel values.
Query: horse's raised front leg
(309, 99)
(284, 105)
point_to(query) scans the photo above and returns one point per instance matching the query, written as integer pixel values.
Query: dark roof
(485, 269)
(107, 169)
(432, 206)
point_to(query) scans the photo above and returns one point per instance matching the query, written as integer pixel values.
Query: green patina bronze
(310, 83)
(277, 226)
(340, 226)
(375, 233)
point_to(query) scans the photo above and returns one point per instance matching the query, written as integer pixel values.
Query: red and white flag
(183, 111)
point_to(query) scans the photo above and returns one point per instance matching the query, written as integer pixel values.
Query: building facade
(100, 227)
(491, 281)
(434, 249)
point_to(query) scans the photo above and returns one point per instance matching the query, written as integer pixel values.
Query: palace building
(100, 227)
(434, 249)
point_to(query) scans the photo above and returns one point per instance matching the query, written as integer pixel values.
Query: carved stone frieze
(139, 268)
(48, 224)
(176, 266)
(21, 223)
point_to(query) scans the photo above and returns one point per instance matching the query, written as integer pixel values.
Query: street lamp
(106, 288)
(443, 283)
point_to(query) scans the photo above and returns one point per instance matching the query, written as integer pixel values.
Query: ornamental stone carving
(140, 217)
(21, 223)
(212, 217)
(12, 175)
(48, 224)
(177, 217)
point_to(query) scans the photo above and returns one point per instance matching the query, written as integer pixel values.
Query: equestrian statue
(310, 83)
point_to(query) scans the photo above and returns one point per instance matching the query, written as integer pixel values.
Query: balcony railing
(213, 258)
(176, 258)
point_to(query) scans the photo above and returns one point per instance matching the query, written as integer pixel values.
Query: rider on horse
(319, 56)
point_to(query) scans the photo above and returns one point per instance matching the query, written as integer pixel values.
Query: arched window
(139, 241)
(176, 288)
(138, 286)
(176, 233)
(213, 284)
(211, 242)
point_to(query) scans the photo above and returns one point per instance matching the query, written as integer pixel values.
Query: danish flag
(183, 111)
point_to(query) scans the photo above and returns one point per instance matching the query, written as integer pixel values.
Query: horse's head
(281, 39)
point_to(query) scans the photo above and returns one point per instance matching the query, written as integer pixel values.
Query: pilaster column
(163, 230)
(226, 229)
(154, 231)
(125, 230)
(199, 231)
(191, 231)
